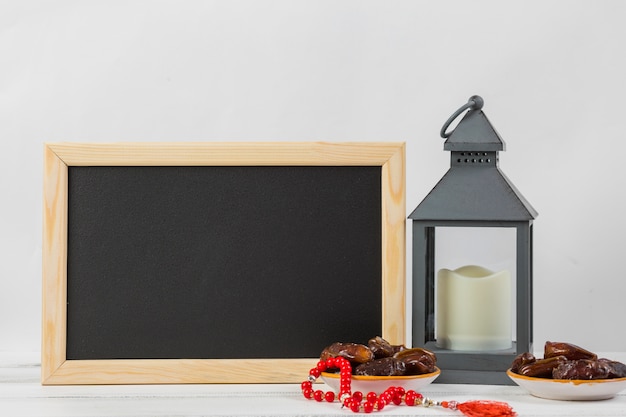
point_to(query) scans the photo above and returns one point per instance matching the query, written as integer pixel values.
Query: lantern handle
(474, 103)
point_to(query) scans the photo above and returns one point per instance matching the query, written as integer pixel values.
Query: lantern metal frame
(473, 193)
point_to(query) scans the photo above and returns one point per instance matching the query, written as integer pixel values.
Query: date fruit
(382, 348)
(418, 361)
(570, 351)
(542, 368)
(521, 360)
(581, 369)
(354, 352)
(389, 366)
(616, 369)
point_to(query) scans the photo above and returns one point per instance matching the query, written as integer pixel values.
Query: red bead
(368, 407)
(321, 365)
(357, 395)
(306, 384)
(381, 403)
(308, 393)
(329, 396)
(386, 397)
(330, 362)
(318, 395)
(355, 406)
(371, 396)
(444, 404)
(410, 397)
(315, 373)
(343, 364)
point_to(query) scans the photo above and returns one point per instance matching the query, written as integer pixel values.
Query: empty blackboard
(213, 262)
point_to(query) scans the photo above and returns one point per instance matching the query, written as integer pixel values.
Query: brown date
(541, 368)
(521, 360)
(354, 352)
(416, 351)
(389, 366)
(616, 369)
(398, 348)
(570, 351)
(582, 369)
(382, 348)
(418, 361)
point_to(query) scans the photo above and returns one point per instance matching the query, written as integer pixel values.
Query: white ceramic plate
(378, 384)
(569, 389)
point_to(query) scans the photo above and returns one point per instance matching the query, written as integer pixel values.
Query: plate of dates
(380, 365)
(568, 372)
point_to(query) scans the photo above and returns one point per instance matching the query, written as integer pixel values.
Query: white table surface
(21, 394)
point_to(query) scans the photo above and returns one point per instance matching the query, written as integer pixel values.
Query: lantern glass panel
(475, 281)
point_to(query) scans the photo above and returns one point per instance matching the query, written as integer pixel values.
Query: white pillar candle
(473, 309)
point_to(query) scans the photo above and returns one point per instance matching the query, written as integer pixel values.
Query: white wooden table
(21, 394)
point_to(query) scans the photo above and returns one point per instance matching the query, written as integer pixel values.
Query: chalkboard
(213, 262)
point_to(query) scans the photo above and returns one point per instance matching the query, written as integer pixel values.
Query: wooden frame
(56, 369)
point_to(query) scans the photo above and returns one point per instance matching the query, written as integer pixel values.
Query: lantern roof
(474, 188)
(477, 194)
(474, 133)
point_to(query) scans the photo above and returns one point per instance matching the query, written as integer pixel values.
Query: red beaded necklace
(370, 402)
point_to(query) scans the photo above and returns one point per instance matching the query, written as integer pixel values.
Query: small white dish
(378, 384)
(569, 389)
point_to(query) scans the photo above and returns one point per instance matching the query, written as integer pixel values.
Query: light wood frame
(57, 370)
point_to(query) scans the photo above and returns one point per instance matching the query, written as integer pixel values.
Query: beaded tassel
(357, 402)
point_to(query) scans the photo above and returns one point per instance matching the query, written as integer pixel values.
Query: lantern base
(455, 376)
(473, 367)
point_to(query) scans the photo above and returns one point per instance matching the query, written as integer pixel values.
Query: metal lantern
(472, 259)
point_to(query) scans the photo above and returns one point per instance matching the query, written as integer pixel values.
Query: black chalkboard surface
(172, 262)
(168, 263)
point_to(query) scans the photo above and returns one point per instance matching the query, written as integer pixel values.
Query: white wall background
(552, 74)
